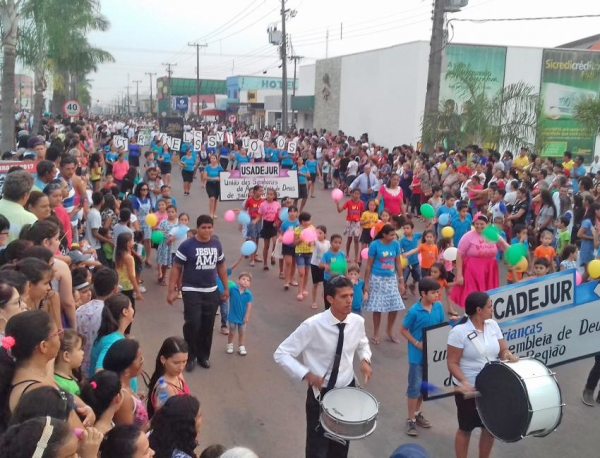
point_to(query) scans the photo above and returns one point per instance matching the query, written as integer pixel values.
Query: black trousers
(199, 311)
(594, 376)
(317, 445)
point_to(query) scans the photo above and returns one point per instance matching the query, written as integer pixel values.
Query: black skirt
(188, 177)
(268, 230)
(213, 189)
(165, 167)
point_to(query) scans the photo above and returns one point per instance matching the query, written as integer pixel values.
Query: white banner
(292, 148)
(121, 142)
(547, 318)
(236, 184)
(143, 140)
(162, 137)
(281, 142)
(267, 136)
(212, 141)
(197, 145)
(220, 136)
(246, 143)
(229, 137)
(188, 137)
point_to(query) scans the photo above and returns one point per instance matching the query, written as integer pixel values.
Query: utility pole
(128, 100)
(432, 97)
(150, 75)
(284, 103)
(327, 44)
(296, 59)
(197, 46)
(137, 95)
(169, 73)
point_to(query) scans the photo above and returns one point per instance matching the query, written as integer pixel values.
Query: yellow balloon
(403, 262)
(447, 232)
(593, 268)
(151, 219)
(522, 265)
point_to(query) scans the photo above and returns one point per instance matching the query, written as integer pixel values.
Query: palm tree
(46, 44)
(508, 118)
(10, 14)
(587, 112)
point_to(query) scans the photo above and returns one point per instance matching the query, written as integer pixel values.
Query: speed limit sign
(72, 108)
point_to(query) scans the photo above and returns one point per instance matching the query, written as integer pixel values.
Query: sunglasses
(60, 333)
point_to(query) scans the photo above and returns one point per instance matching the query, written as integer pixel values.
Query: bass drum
(518, 399)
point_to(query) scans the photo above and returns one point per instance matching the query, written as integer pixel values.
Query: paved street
(250, 401)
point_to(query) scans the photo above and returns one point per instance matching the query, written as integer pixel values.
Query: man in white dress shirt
(319, 340)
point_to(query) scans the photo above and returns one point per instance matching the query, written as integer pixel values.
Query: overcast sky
(146, 33)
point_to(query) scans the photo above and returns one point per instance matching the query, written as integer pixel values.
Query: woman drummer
(476, 340)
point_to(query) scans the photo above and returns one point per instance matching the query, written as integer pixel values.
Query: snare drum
(518, 399)
(348, 413)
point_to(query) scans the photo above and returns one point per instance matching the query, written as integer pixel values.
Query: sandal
(374, 341)
(305, 293)
(313, 306)
(286, 287)
(251, 263)
(394, 338)
(294, 283)
(281, 275)
(300, 297)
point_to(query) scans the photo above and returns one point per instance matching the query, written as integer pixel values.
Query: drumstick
(430, 387)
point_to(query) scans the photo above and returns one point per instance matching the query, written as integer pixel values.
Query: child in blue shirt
(462, 223)
(427, 311)
(333, 256)
(358, 284)
(224, 306)
(409, 242)
(240, 305)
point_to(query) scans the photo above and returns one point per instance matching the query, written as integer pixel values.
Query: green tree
(508, 118)
(10, 15)
(587, 112)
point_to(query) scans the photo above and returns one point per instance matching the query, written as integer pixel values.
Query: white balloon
(450, 254)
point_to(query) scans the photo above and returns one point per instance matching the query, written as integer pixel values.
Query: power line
(245, 28)
(542, 18)
(228, 23)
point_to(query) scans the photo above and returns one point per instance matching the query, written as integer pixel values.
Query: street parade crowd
(423, 231)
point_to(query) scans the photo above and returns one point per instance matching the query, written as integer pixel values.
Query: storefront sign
(549, 319)
(236, 184)
(567, 77)
(5, 166)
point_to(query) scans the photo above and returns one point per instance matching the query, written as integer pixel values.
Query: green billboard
(467, 69)
(567, 77)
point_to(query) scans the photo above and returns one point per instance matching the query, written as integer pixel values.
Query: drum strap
(473, 337)
(338, 357)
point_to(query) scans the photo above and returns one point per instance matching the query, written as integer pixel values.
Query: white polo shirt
(472, 361)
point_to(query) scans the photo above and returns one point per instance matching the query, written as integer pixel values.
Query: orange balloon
(378, 227)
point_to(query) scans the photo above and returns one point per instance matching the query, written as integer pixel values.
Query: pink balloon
(308, 235)
(372, 232)
(419, 257)
(229, 216)
(288, 237)
(364, 253)
(337, 194)
(578, 278)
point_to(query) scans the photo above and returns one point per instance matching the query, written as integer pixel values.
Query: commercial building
(185, 87)
(382, 92)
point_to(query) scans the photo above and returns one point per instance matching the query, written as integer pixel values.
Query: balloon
(288, 237)
(157, 237)
(179, 231)
(338, 266)
(372, 232)
(427, 211)
(151, 219)
(308, 235)
(447, 232)
(364, 254)
(593, 268)
(578, 278)
(337, 194)
(244, 218)
(283, 214)
(231, 283)
(491, 233)
(522, 265)
(229, 216)
(378, 227)
(514, 253)
(444, 219)
(248, 247)
(403, 262)
(450, 253)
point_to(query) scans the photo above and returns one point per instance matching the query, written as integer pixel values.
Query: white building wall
(306, 77)
(383, 93)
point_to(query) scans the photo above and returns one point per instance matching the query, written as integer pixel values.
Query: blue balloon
(248, 248)
(444, 219)
(410, 450)
(283, 214)
(244, 218)
(181, 231)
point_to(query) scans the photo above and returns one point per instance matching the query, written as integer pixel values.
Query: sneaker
(422, 421)
(142, 289)
(218, 313)
(588, 397)
(411, 428)
(229, 349)
(242, 350)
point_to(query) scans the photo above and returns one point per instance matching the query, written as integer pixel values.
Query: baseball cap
(78, 256)
(410, 451)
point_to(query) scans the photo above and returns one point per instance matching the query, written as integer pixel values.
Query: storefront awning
(213, 112)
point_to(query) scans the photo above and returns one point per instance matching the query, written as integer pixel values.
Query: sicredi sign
(550, 319)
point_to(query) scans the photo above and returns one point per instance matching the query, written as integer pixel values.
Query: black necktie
(338, 357)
